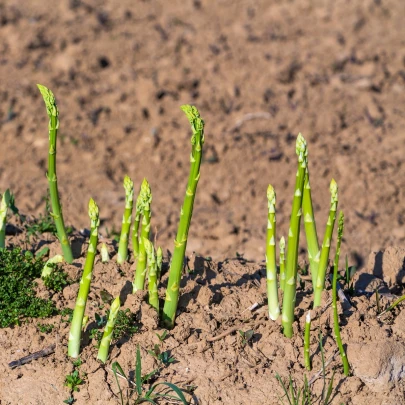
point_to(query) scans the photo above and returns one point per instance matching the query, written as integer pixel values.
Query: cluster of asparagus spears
(318, 256)
(148, 259)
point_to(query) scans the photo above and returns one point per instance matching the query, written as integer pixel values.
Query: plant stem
(271, 268)
(126, 220)
(346, 368)
(108, 331)
(105, 256)
(307, 356)
(159, 262)
(323, 262)
(56, 213)
(145, 207)
(4, 205)
(78, 313)
(282, 262)
(293, 239)
(152, 266)
(310, 230)
(180, 243)
(135, 228)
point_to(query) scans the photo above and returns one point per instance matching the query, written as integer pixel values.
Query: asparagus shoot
(336, 328)
(4, 205)
(271, 269)
(126, 220)
(323, 261)
(282, 262)
(159, 262)
(307, 335)
(78, 313)
(293, 239)
(180, 243)
(105, 256)
(144, 202)
(52, 111)
(108, 331)
(152, 266)
(47, 269)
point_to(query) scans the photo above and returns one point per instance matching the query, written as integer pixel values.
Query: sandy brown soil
(333, 70)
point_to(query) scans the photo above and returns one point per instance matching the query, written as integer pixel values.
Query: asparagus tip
(271, 194)
(128, 185)
(6, 199)
(49, 100)
(333, 191)
(115, 304)
(282, 243)
(308, 317)
(93, 212)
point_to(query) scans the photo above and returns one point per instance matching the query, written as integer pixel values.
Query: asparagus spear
(53, 113)
(336, 328)
(78, 313)
(152, 266)
(126, 220)
(159, 262)
(307, 336)
(47, 269)
(293, 239)
(4, 205)
(323, 261)
(108, 331)
(310, 230)
(135, 227)
(105, 256)
(180, 243)
(282, 262)
(145, 200)
(272, 292)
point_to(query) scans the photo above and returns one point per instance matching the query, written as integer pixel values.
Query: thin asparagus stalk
(159, 261)
(345, 362)
(282, 262)
(323, 261)
(310, 230)
(145, 205)
(126, 220)
(52, 111)
(78, 313)
(105, 256)
(293, 239)
(271, 269)
(135, 227)
(180, 243)
(108, 331)
(307, 356)
(152, 266)
(4, 205)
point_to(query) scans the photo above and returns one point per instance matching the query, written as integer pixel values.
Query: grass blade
(138, 371)
(116, 366)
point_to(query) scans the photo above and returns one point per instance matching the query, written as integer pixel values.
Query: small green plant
(52, 111)
(246, 336)
(180, 243)
(67, 315)
(78, 362)
(142, 393)
(349, 273)
(126, 220)
(73, 380)
(69, 401)
(45, 328)
(76, 326)
(164, 357)
(163, 336)
(57, 279)
(18, 299)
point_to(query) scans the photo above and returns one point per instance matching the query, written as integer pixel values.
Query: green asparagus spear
(159, 261)
(152, 275)
(336, 328)
(282, 262)
(53, 113)
(272, 291)
(307, 336)
(105, 256)
(126, 220)
(293, 239)
(145, 200)
(108, 331)
(180, 243)
(78, 313)
(323, 261)
(4, 205)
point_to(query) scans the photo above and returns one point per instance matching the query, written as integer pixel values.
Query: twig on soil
(233, 329)
(249, 117)
(318, 374)
(37, 355)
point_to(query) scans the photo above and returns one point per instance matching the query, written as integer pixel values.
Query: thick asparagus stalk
(180, 243)
(307, 336)
(108, 331)
(271, 268)
(4, 205)
(336, 328)
(145, 196)
(293, 239)
(78, 313)
(282, 262)
(53, 113)
(126, 220)
(323, 261)
(310, 231)
(152, 275)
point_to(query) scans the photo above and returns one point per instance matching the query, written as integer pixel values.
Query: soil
(259, 72)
